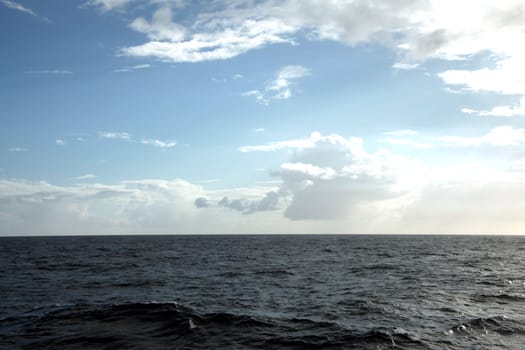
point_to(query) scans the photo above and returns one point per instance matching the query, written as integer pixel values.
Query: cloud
(60, 142)
(18, 149)
(329, 176)
(303, 143)
(269, 202)
(132, 68)
(107, 5)
(133, 206)
(280, 87)
(500, 111)
(503, 135)
(161, 26)
(210, 38)
(416, 30)
(115, 135)
(18, 7)
(508, 77)
(86, 177)
(51, 72)
(124, 136)
(158, 143)
(201, 202)
(405, 66)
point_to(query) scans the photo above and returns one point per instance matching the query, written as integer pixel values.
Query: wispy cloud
(114, 135)
(278, 145)
(60, 142)
(50, 71)
(124, 136)
(280, 87)
(132, 68)
(18, 149)
(207, 39)
(18, 7)
(107, 5)
(503, 135)
(158, 143)
(86, 177)
(500, 111)
(405, 66)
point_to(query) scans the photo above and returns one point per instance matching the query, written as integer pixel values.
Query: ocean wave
(502, 298)
(171, 326)
(498, 324)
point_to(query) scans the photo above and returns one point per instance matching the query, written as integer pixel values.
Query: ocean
(263, 292)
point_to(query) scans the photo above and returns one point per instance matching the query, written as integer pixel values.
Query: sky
(290, 116)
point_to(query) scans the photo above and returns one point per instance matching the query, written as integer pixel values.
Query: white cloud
(60, 142)
(330, 185)
(107, 5)
(132, 68)
(18, 7)
(139, 206)
(503, 135)
(211, 40)
(508, 77)
(280, 87)
(158, 143)
(161, 26)
(416, 30)
(17, 149)
(51, 71)
(115, 135)
(500, 111)
(405, 66)
(86, 177)
(274, 146)
(124, 136)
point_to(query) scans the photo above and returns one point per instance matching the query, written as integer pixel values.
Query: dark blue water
(263, 292)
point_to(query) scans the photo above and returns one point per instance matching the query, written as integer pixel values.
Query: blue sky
(172, 116)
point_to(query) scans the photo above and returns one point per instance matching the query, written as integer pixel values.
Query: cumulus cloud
(280, 88)
(329, 176)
